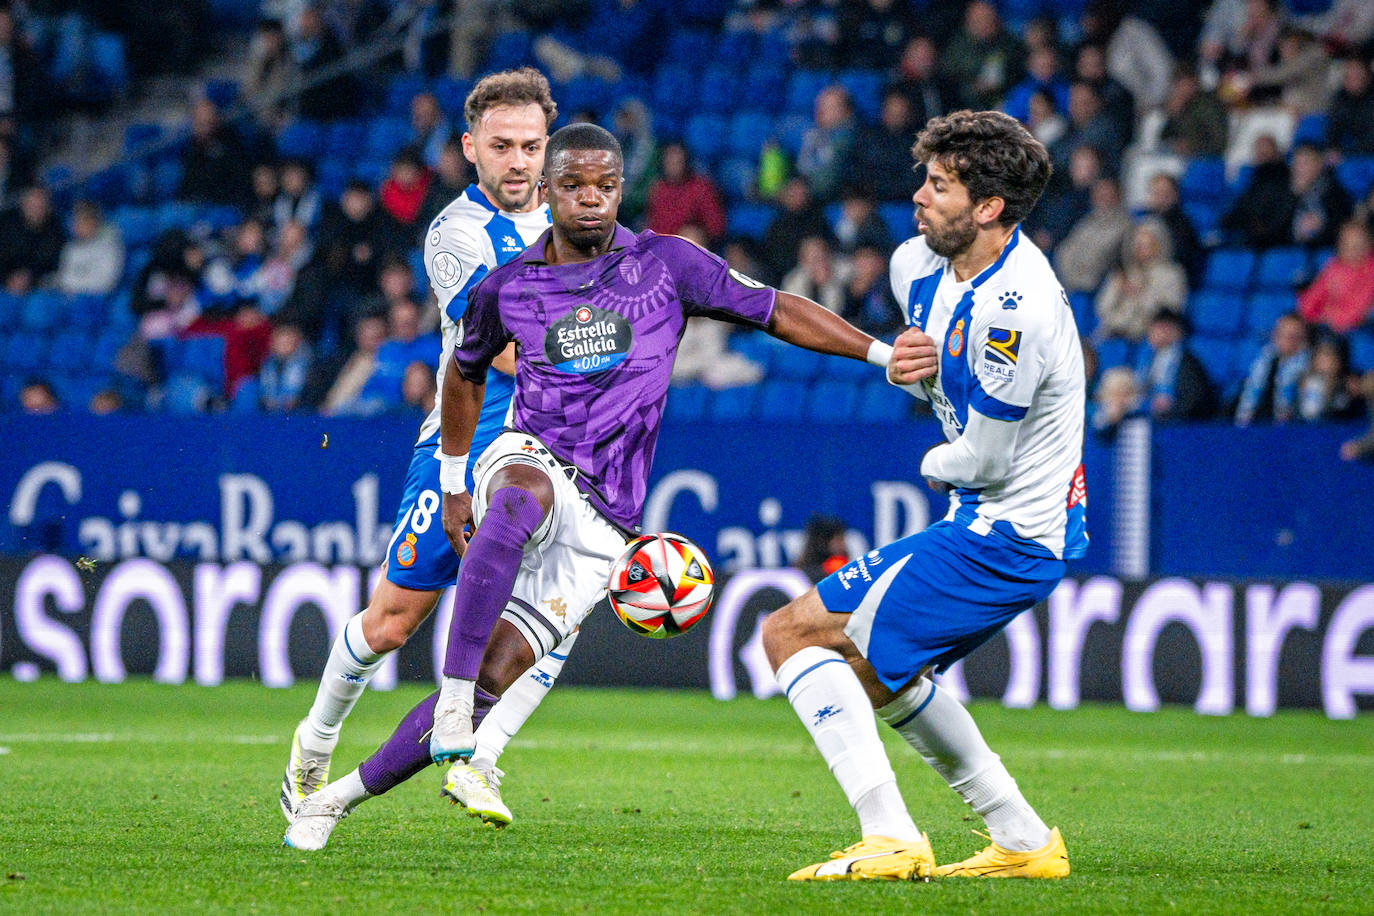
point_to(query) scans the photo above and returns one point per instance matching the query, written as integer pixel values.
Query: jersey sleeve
(455, 265)
(482, 333)
(1009, 356)
(708, 286)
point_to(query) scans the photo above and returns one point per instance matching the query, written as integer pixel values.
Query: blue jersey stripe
(989, 406)
(458, 305)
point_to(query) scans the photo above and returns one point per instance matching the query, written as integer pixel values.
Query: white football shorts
(567, 563)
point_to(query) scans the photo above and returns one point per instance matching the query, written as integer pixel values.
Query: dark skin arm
(804, 323)
(462, 402)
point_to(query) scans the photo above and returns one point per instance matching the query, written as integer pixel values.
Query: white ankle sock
(350, 666)
(832, 705)
(517, 704)
(945, 735)
(349, 789)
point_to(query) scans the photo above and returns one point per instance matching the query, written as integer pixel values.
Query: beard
(509, 202)
(949, 240)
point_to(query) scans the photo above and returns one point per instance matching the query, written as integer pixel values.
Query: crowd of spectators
(317, 297)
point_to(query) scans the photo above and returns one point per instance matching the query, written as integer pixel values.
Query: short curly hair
(525, 86)
(992, 154)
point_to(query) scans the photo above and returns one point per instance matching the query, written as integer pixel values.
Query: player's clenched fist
(457, 515)
(914, 357)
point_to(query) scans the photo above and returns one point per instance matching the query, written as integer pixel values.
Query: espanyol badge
(956, 338)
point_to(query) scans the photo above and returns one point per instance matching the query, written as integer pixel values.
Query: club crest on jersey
(955, 342)
(448, 270)
(405, 552)
(587, 341)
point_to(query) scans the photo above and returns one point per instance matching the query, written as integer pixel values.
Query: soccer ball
(661, 585)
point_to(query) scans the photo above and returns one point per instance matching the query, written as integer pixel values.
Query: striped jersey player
(1009, 394)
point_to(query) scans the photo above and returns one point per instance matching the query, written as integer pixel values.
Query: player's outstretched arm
(804, 323)
(460, 406)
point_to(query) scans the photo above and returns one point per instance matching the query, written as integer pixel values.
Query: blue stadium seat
(372, 169)
(674, 90)
(1216, 313)
(135, 224)
(717, 88)
(585, 94)
(70, 352)
(802, 89)
(26, 352)
(796, 363)
(1357, 174)
(1264, 309)
(416, 259)
(166, 178)
(1203, 179)
(510, 50)
(790, 129)
(223, 92)
(774, 47)
(245, 400)
(1311, 129)
(1084, 308)
(756, 346)
(44, 310)
(737, 177)
(108, 67)
(1216, 355)
(86, 313)
(403, 88)
(1281, 269)
(1228, 270)
(11, 309)
(1115, 352)
(782, 400)
(839, 369)
(866, 89)
(691, 48)
(1204, 215)
(75, 390)
(451, 91)
(185, 394)
(687, 403)
(141, 134)
(346, 138)
(331, 174)
(880, 402)
(738, 45)
(106, 348)
(1361, 350)
(764, 84)
(749, 130)
(834, 400)
(750, 219)
(202, 357)
(705, 137)
(733, 403)
(900, 219)
(705, 12)
(301, 139)
(386, 135)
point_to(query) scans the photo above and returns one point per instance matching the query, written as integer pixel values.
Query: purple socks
(406, 752)
(487, 576)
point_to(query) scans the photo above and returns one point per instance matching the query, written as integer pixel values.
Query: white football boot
(307, 771)
(316, 818)
(478, 791)
(452, 738)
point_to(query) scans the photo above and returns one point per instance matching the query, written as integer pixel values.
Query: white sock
(832, 705)
(945, 735)
(516, 705)
(455, 690)
(349, 789)
(350, 666)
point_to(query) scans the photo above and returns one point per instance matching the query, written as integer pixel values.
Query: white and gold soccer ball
(661, 585)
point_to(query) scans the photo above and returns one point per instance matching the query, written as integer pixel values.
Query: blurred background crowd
(218, 205)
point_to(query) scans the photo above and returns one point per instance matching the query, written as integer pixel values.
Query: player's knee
(783, 632)
(513, 514)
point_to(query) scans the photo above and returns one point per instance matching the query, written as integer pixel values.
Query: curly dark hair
(992, 154)
(525, 86)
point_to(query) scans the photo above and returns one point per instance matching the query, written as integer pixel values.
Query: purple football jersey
(596, 343)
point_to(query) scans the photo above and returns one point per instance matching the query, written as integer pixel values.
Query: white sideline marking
(112, 738)
(4, 751)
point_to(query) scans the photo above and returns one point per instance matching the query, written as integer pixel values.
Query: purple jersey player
(596, 314)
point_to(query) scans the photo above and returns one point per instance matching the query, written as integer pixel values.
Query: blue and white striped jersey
(467, 239)
(1009, 353)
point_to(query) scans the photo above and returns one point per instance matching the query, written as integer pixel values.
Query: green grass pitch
(143, 797)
